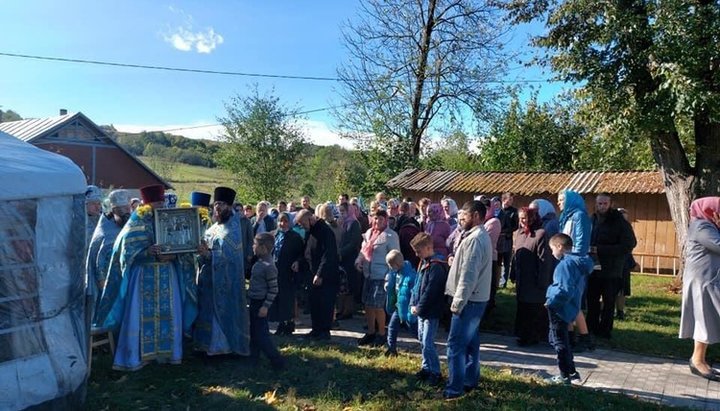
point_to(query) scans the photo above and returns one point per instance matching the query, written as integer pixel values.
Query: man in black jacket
(324, 269)
(509, 224)
(612, 239)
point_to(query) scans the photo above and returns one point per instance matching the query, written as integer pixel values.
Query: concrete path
(654, 379)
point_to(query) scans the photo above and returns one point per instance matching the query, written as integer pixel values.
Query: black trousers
(560, 340)
(531, 322)
(322, 305)
(600, 315)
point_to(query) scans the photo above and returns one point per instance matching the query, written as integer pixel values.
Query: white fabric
(31, 172)
(50, 180)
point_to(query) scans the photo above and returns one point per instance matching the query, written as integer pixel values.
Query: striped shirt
(263, 281)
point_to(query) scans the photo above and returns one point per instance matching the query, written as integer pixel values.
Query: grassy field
(651, 325)
(339, 376)
(186, 178)
(326, 377)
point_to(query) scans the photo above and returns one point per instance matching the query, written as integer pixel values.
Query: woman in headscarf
(700, 318)
(438, 228)
(379, 240)
(532, 270)
(288, 254)
(546, 212)
(349, 249)
(451, 211)
(575, 222)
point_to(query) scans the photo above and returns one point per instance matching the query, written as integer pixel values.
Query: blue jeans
(560, 340)
(463, 349)
(427, 328)
(394, 327)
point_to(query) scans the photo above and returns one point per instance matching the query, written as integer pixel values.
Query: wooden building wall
(105, 166)
(649, 216)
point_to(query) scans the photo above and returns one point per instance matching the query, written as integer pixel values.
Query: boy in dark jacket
(563, 303)
(428, 303)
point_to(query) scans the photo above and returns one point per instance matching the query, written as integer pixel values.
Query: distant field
(186, 178)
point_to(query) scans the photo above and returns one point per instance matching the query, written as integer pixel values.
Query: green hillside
(186, 178)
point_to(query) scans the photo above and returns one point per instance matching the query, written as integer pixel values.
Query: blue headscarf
(573, 203)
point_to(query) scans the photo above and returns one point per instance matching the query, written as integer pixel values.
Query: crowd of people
(403, 265)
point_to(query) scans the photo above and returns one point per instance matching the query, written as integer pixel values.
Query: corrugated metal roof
(639, 182)
(28, 129)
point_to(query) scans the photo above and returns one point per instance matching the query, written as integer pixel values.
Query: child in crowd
(399, 283)
(563, 303)
(428, 303)
(262, 292)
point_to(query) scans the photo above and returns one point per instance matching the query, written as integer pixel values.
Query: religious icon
(177, 230)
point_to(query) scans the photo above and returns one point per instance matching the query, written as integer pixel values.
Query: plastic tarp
(43, 331)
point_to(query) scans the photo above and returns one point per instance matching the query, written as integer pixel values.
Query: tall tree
(647, 66)
(452, 152)
(264, 142)
(414, 62)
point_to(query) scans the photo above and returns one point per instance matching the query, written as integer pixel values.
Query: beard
(224, 216)
(121, 219)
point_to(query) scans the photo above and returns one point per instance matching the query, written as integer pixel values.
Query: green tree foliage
(452, 152)
(168, 147)
(263, 143)
(9, 115)
(531, 137)
(648, 66)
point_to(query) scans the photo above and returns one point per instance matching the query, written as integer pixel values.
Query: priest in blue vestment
(101, 244)
(144, 294)
(223, 322)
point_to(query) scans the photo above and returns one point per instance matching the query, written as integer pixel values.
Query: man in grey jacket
(468, 285)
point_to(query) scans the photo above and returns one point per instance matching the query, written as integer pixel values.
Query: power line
(315, 110)
(221, 72)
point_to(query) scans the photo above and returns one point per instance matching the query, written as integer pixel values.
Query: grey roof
(29, 129)
(32, 128)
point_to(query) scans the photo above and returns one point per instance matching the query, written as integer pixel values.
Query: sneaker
(575, 378)
(367, 339)
(558, 380)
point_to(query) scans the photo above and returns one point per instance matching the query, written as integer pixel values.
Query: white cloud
(316, 132)
(185, 38)
(319, 133)
(195, 131)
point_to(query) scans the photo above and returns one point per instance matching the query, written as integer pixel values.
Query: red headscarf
(703, 208)
(532, 220)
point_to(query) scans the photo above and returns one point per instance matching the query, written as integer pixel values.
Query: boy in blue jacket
(399, 283)
(428, 303)
(563, 303)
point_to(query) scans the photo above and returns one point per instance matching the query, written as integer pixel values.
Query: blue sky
(272, 37)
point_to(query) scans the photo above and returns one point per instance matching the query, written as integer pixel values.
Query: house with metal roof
(105, 163)
(641, 193)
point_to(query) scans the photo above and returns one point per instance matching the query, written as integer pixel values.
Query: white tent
(43, 336)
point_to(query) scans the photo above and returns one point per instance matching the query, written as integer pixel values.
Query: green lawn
(340, 376)
(186, 178)
(651, 325)
(326, 377)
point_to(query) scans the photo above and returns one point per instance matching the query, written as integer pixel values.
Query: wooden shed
(105, 163)
(641, 193)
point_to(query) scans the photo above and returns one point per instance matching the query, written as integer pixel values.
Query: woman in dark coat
(288, 253)
(532, 270)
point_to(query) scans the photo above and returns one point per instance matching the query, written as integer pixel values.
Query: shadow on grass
(324, 376)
